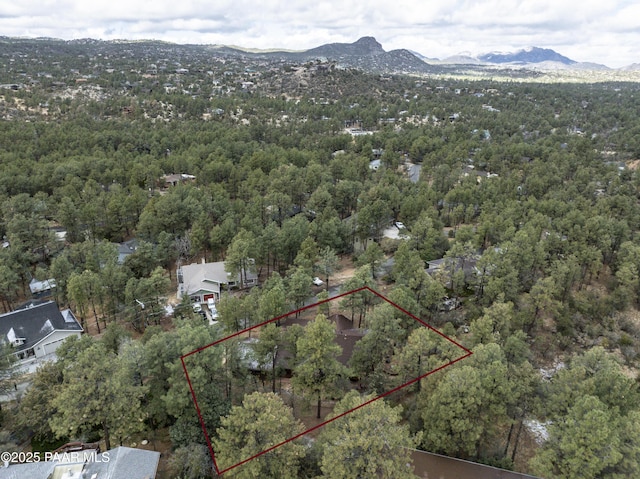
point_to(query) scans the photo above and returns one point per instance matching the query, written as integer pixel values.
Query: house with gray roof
(126, 249)
(204, 281)
(118, 463)
(37, 329)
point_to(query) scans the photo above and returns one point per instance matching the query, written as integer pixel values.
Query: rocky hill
(365, 54)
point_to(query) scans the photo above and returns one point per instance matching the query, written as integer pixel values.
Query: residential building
(125, 249)
(175, 179)
(204, 281)
(120, 462)
(37, 330)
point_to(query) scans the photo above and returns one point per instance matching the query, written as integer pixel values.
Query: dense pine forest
(527, 193)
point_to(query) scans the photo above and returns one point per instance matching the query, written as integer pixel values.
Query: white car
(212, 309)
(400, 225)
(317, 281)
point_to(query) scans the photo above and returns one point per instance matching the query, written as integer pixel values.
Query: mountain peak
(368, 41)
(527, 55)
(362, 47)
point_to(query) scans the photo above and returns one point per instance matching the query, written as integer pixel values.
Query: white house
(37, 330)
(204, 281)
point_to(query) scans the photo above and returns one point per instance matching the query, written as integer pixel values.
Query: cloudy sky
(585, 30)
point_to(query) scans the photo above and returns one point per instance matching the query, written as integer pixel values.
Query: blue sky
(588, 30)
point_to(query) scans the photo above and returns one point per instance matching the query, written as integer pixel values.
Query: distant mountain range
(530, 57)
(527, 55)
(367, 54)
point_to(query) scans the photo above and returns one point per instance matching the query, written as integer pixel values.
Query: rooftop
(34, 322)
(208, 277)
(118, 463)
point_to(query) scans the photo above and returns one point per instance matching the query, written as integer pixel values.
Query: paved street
(24, 372)
(13, 394)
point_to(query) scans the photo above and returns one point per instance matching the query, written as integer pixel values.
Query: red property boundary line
(364, 288)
